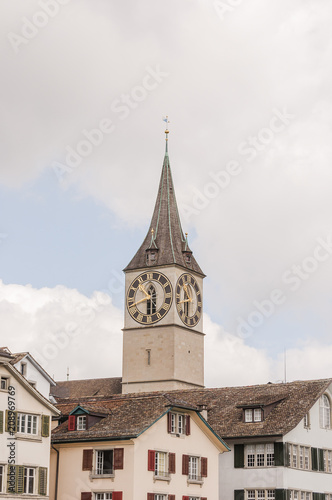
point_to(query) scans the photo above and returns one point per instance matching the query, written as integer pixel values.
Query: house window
(260, 495)
(178, 423)
(29, 480)
(253, 415)
(194, 467)
(260, 455)
(299, 495)
(161, 467)
(81, 422)
(327, 460)
(27, 424)
(4, 383)
(24, 369)
(104, 463)
(306, 421)
(294, 456)
(325, 412)
(298, 456)
(103, 496)
(151, 303)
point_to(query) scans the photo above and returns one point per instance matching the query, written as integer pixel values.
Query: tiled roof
(130, 414)
(167, 235)
(90, 388)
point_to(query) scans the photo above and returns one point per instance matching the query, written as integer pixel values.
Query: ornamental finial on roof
(165, 119)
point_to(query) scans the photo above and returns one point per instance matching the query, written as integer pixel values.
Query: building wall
(231, 478)
(28, 450)
(34, 375)
(135, 481)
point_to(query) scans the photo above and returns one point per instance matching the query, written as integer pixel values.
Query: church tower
(163, 342)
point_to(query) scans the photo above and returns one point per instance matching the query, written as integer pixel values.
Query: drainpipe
(57, 472)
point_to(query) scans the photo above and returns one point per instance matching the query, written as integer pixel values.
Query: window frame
(253, 415)
(26, 480)
(4, 383)
(178, 423)
(23, 421)
(255, 454)
(81, 419)
(99, 468)
(269, 494)
(2, 477)
(325, 412)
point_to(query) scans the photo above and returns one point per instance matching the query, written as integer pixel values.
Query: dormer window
(81, 422)
(187, 257)
(151, 257)
(253, 415)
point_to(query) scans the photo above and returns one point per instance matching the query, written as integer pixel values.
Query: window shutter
(203, 498)
(171, 497)
(71, 422)
(321, 459)
(42, 482)
(86, 495)
(279, 454)
(87, 460)
(1, 422)
(11, 488)
(314, 459)
(286, 455)
(117, 495)
(45, 430)
(19, 478)
(171, 463)
(185, 465)
(238, 494)
(315, 496)
(238, 456)
(11, 424)
(118, 458)
(281, 494)
(204, 467)
(151, 460)
(185, 497)
(187, 425)
(150, 496)
(169, 422)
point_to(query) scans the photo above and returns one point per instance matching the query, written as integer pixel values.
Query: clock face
(149, 297)
(188, 300)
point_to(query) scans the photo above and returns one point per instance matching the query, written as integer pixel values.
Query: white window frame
(4, 383)
(27, 423)
(253, 415)
(299, 456)
(254, 453)
(260, 494)
(81, 422)
(194, 468)
(306, 421)
(161, 464)
(325, 412)
(29, 472)
(299, 495)
(178, 423)
(99, 460)
(328, 461)
(105, 495)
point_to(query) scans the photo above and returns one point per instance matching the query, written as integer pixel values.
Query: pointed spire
(165, 232)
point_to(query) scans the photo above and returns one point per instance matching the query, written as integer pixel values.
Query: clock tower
(163, 341)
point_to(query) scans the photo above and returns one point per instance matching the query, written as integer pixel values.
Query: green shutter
(238, 494)
(19, 479)
(1, 422)
(281, 494)
(239, 456)
(279, 458)
(45, 430)
(11, 423)
(11, 479)
(321, 459)
(314, 460)
(315, 496)
(42, 482)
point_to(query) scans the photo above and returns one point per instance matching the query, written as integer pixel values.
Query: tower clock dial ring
(188, 300)
(149, 297)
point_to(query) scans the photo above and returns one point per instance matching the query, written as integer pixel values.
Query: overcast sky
(247, 87)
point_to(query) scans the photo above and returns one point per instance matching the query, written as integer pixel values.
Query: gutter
(57, 472)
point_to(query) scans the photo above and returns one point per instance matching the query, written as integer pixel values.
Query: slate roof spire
(165, 243)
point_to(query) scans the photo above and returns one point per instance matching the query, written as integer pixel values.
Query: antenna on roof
(67, 373)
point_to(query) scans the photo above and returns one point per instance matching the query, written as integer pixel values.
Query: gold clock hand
(186, 300)
(142, 300)
(141, 287)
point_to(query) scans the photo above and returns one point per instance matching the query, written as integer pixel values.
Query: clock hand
(186, 290)
(182, 301)
(141, 287)
(142, 300)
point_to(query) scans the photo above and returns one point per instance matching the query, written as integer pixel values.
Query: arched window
(325, 412)
(151, 304)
